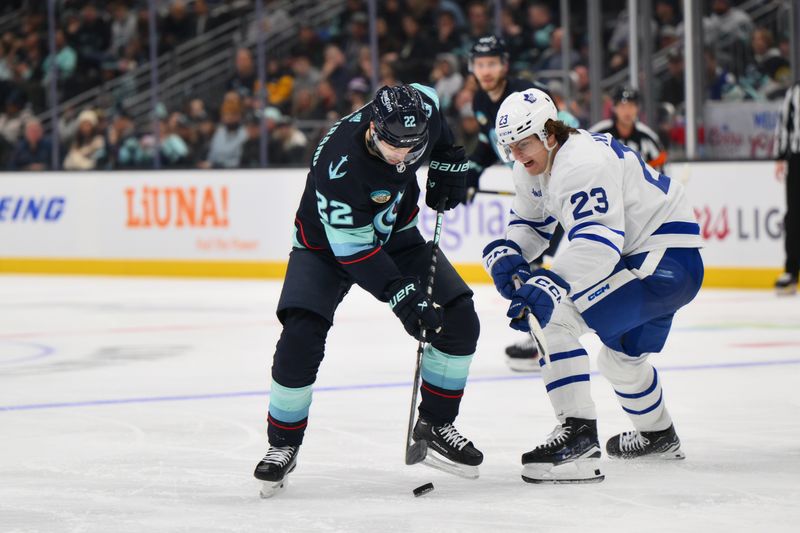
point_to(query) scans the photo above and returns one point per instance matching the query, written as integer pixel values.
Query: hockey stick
(416, 451)
(536, 331)
(498, 193)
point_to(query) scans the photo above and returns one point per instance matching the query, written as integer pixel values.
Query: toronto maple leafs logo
(528, 97)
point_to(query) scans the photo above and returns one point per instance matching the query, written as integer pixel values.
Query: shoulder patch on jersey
(427, 91)
(480, 116)
(355, 118)
(380, 197)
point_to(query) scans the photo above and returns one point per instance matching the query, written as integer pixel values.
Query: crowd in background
(327, 72)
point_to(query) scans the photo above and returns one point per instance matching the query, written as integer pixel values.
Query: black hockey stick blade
(417, 452)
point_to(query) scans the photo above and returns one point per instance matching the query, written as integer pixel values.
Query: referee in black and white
(787, 152)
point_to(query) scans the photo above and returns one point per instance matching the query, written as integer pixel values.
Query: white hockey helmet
(521, 115)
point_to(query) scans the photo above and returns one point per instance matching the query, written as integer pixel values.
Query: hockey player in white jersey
(632, 261)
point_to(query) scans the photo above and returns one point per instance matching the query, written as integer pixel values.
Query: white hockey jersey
(610, 204)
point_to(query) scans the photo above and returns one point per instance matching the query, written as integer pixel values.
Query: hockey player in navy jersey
(357, 224)
(488, 62)
(632, 261)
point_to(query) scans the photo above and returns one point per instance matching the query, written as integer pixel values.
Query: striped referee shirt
(787, 135)
(641, 139)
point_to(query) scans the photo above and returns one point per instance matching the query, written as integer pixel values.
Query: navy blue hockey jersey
(353, 201)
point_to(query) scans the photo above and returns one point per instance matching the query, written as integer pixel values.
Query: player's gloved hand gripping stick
(534, 302)
(416, 451)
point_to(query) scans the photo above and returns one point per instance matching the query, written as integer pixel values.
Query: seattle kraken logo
(333, 172)
(384, 220)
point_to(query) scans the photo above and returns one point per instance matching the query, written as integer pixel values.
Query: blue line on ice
(339, 388)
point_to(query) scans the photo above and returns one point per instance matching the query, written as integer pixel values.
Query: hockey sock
(638, 389)
(288, 414)
(566, 378)
(444, 377)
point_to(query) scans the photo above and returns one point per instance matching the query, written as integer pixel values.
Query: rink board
(239, 223)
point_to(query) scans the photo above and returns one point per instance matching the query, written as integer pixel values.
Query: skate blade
(434, 460)
(273, 488)
(523, 365)
(669, 455)
(579, 471)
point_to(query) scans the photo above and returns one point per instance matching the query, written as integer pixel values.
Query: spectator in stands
(415, 61)
(329, 106)
(335, 71)
(306, 75)
(478, 19)
(727, 22)
(65, 61)
(90, 36)
(279, 84)
(358, 36)
(244, 81)
(304, 104)
(173, 147)
(540, 22)
(358, 93)
(88, 147)
(287, 143)
(668, 19)
(516, 39)
(123, 28)
(720, 83)
(229, 138)
(447, 79)
(770, 71)
(177, 27)
(552, 58)
(13, 117)
(449, 38)
(672, 89)
(122, 145)
(308, 44)
(33, 151)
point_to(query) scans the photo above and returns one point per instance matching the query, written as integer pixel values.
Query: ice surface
(138, 405)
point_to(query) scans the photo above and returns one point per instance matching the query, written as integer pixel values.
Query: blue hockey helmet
(399, 116)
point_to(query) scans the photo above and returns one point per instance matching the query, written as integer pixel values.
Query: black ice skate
(448, 450)
(646, 445)
(570, 455)
(274, 469)
(523, 356)
(786, 284)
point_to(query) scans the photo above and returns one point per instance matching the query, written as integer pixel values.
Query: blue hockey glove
(447, 175)
(414, 309)
(503, 261)
(539, 296)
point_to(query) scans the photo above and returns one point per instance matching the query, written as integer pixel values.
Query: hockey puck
(423, 489)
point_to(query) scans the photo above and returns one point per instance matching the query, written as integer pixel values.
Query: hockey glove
(503, 261)
(414, 309)
(539, 296)
(447, 174)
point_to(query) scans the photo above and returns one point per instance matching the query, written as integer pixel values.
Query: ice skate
(570, 455)
(274, 469)
(646, 445)
(786, 284)
(523, 356)
(448, 450)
